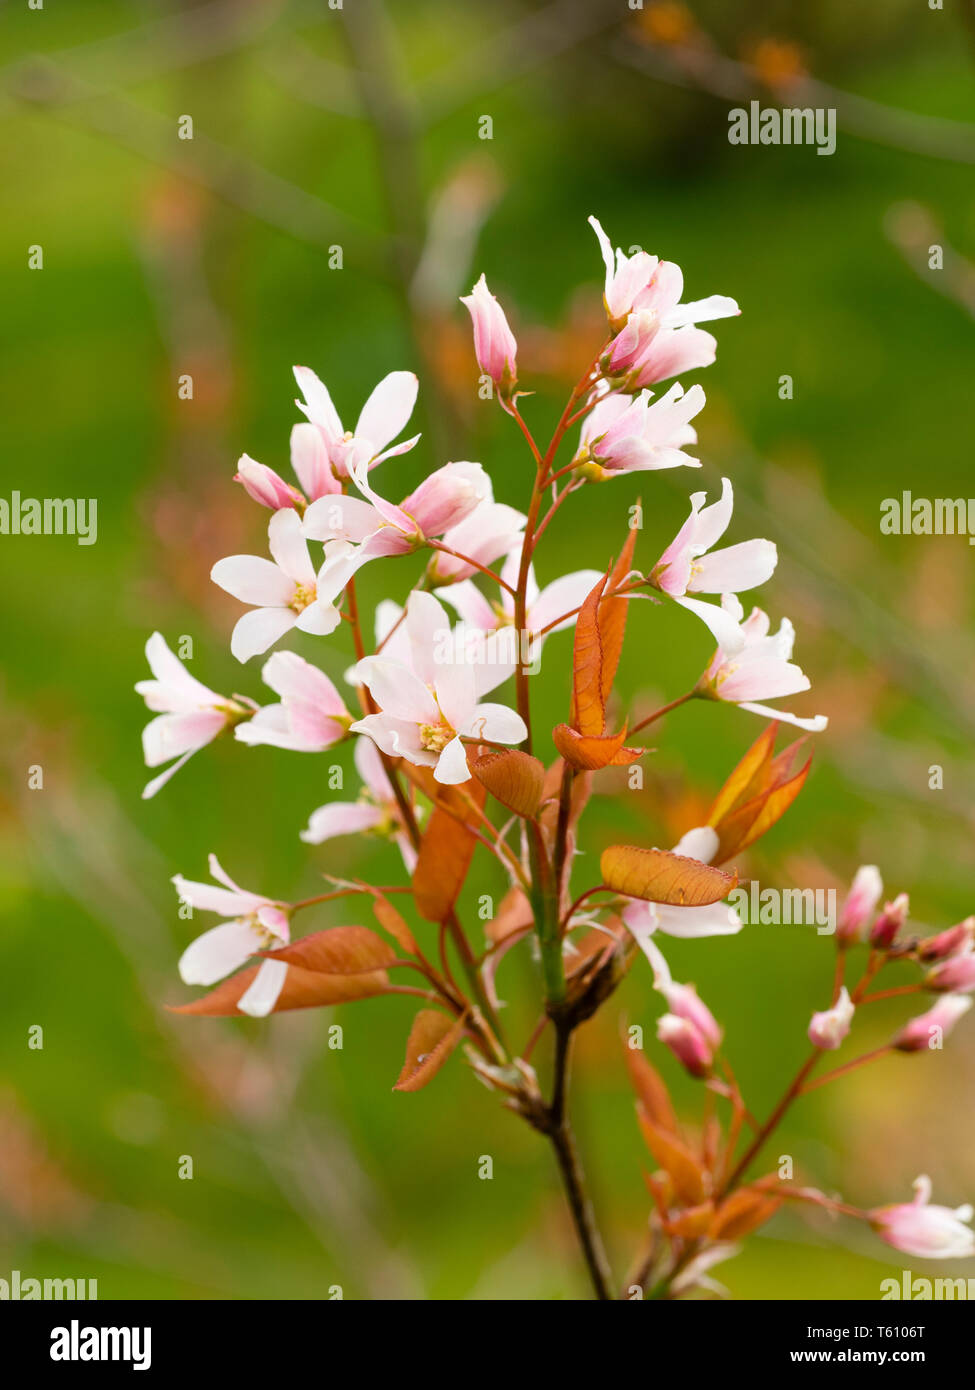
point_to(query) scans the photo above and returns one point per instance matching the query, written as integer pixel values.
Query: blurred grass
(882, 368)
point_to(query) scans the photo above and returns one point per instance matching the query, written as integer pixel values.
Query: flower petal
(254, 580)
(217, 952)
(260, 629)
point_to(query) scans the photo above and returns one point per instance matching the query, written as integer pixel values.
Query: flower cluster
(447, 772)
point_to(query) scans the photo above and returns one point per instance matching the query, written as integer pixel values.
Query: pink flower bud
(920, 1032)
(685, 1002)
(829, 1027)
(957, 973)
(860, 905)
(265, 486)
(494, 342)
(447, 496)
(890, 921)
(929, 1232)
(687, 1043)
(948, 943)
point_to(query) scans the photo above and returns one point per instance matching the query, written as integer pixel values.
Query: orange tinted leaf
(742, 1213)
(747, 776)
(514, 915)
(390, 920)
(590, 753)
(432, 1039)
(691, 1179)
(513, 778)
(756, 817)
(338, 951)
(588, 708)
(693, 1222)
(303, 989)
(612, 619)
(661, 877)
(651, 1090)
(445, 856)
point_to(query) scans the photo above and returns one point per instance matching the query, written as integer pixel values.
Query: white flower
(285, 592)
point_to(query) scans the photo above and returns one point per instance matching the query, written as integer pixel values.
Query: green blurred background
(314, 128)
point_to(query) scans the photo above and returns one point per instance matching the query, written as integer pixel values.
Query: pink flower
(860, 905)
(889, 923)
(928, 1029)
(623, 436)
(286, 593)
(644, 353)
(490, 530)
(641, 282)
(190, 715)
(381, 528)
(929, 1232)
(376, 810)
(266, 486)
(685, 1002)
(756, 666)
(494, 342)
(688, 1044)
(255, 924)
(715, 919)
(948, 943)
(956, 974)
(685, 567)
(428, 707)
(311, 715)
(829, 1027)
(381, 419)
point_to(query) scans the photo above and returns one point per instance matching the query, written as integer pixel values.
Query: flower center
(303, 595)
(267, 939)
(435, 737)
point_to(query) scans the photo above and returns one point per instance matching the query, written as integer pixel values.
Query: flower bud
(948, 943)
(929, 1232)
(830, 1026)
(685, 1002)
(956, 974)
(889, 923)
(860, 905)
(494, 342)
(917, 1035)
(266, 486)
(687, 1043)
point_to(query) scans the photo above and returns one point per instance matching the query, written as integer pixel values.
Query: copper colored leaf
(612, 619)
(303, 989)
(651, 1090)
(588, 752)
(693, 1222)
(588, 707)
(742, 1213)
(662, 877)
(747, 777)
(338, 951)
(691, 1179)
(744, 826)
(514, 916)
(445, 856)
(392, 922)
(513, 778)
(432, 1039)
